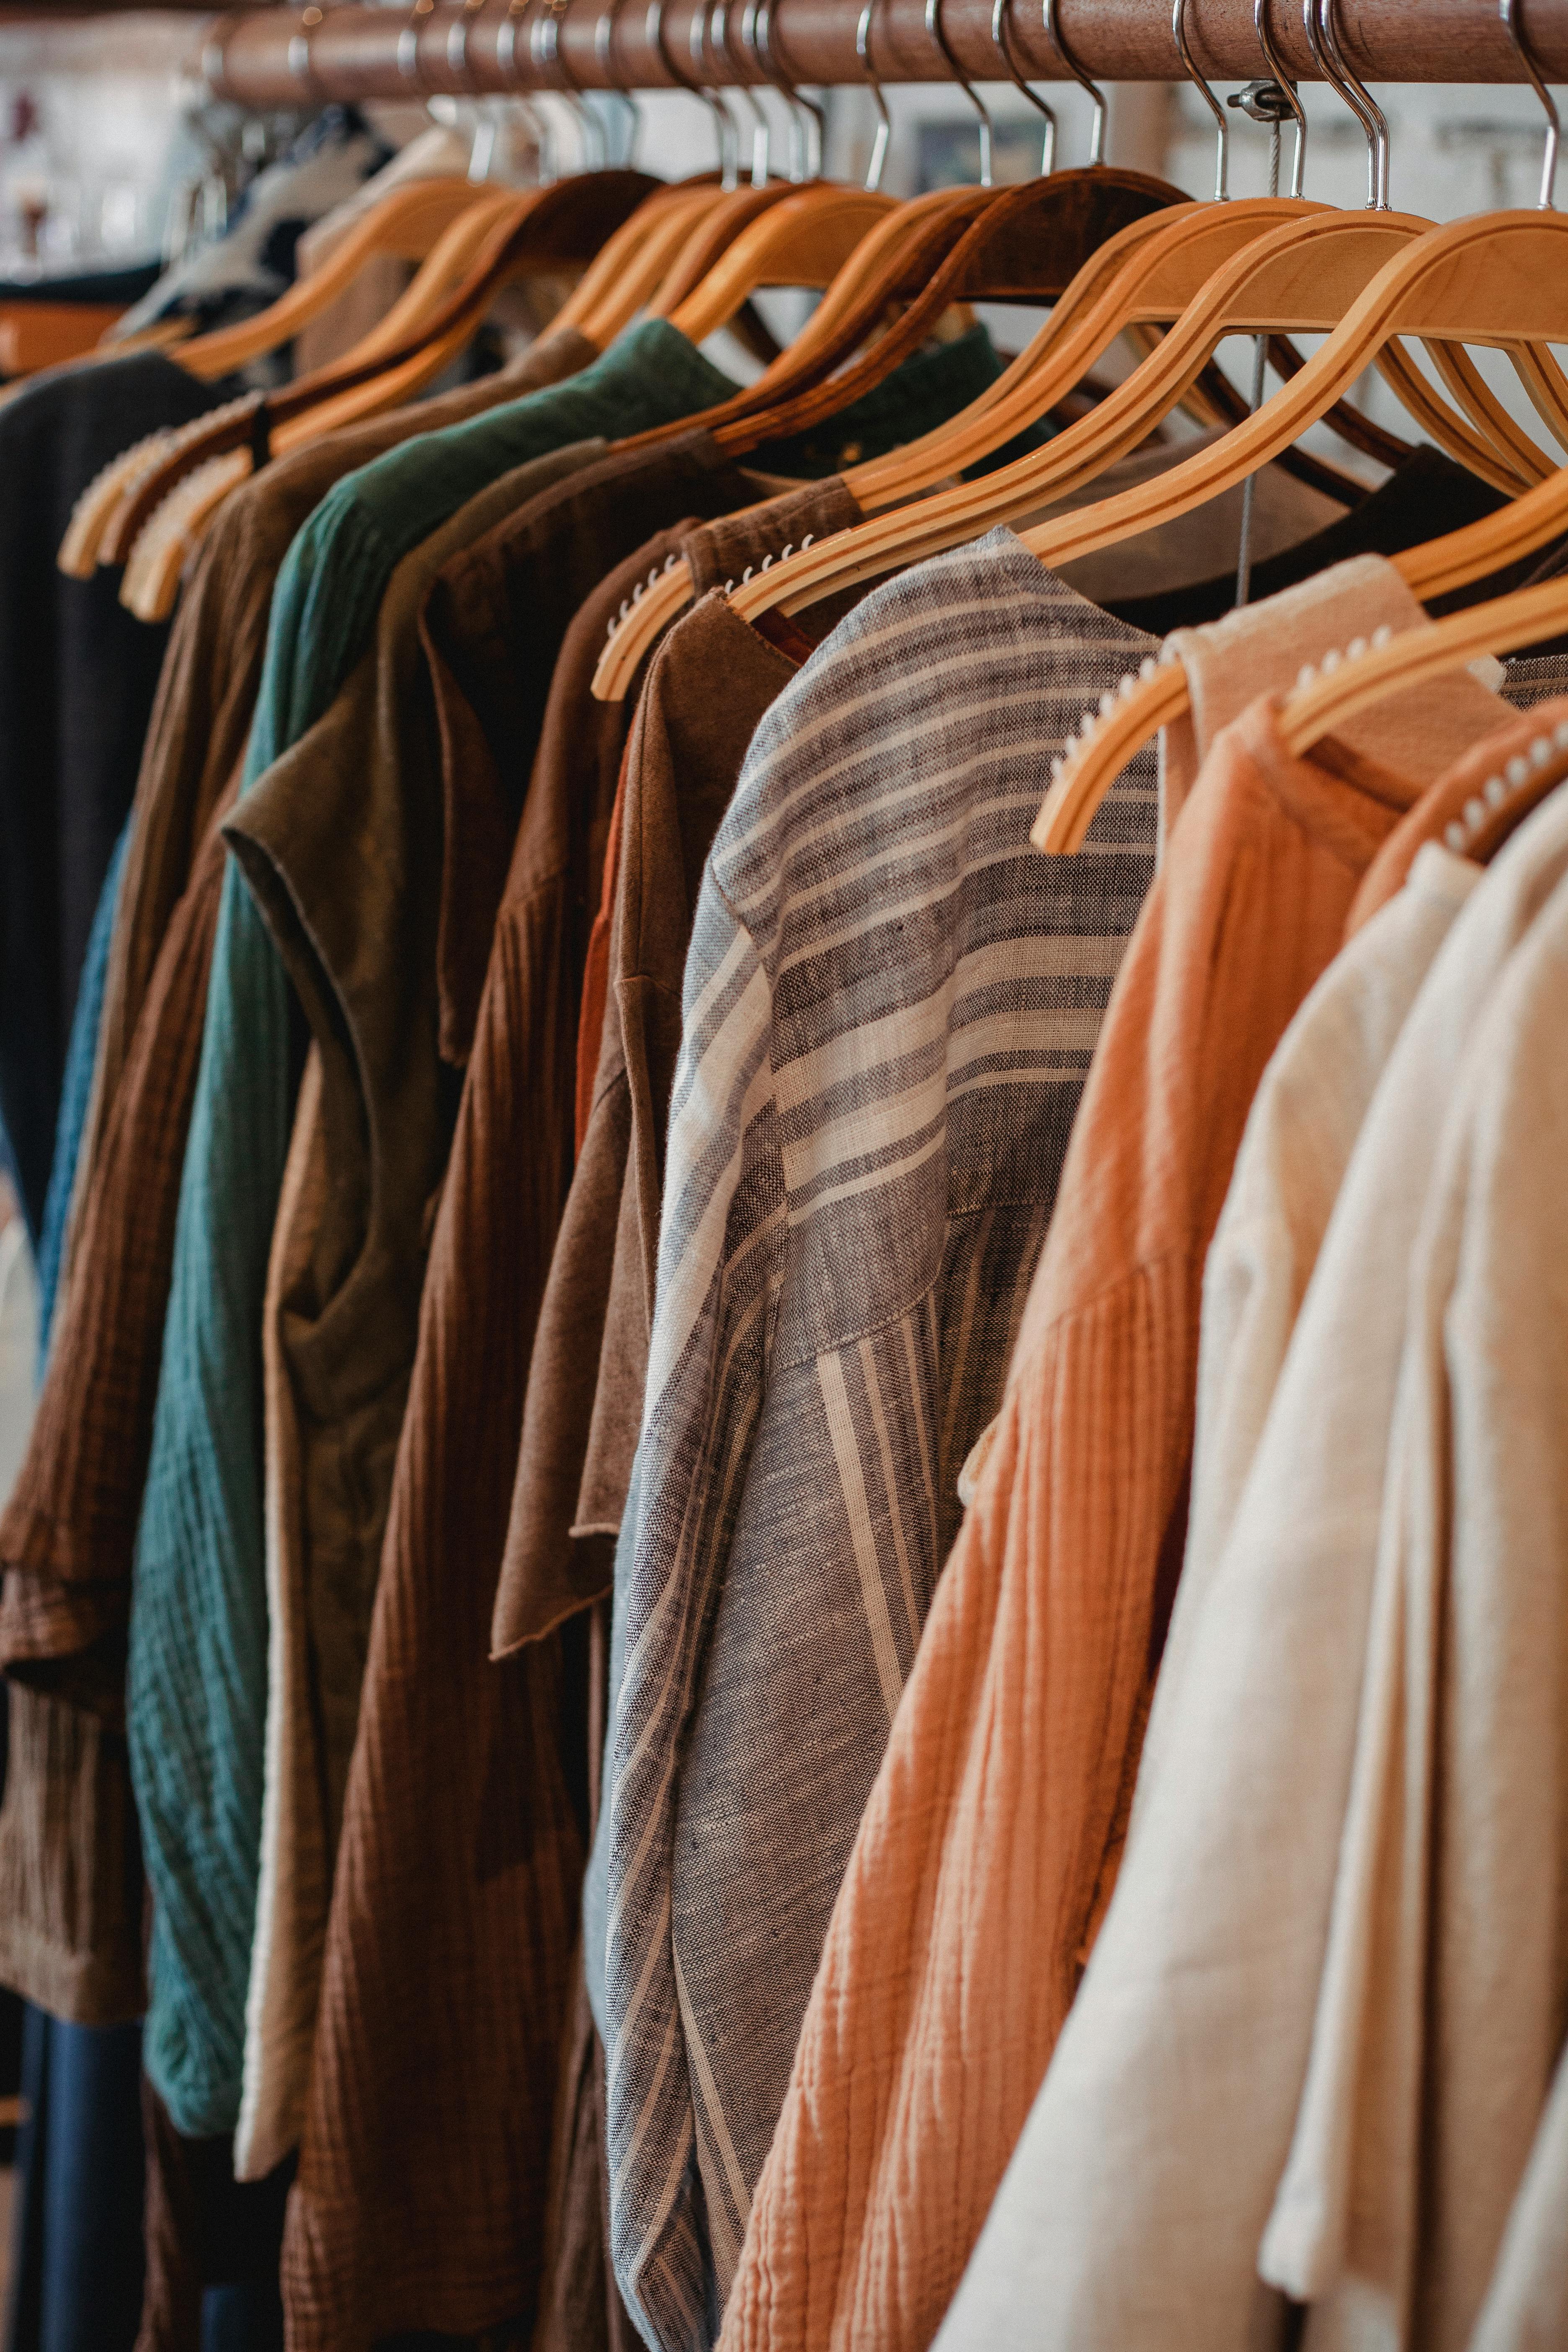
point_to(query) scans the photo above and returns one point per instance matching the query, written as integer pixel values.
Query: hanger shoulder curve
(404, 226)
(801, 242)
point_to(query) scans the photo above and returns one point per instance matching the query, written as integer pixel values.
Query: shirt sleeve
(718, 1281)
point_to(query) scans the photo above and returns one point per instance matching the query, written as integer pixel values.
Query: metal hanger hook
(724, 127)
(1051, 11)
(807, 114)
(506, 65)
(1512, 16)
(935, 28)
(884, 119)
(1002, 34)
(1322, 37)
(1287, 88)
(604, 51)
(1222, 128)
(760, 138)
(724, 121)
(552, 16)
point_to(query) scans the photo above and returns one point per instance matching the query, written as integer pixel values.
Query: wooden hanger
(538, 233)
(131, 501)
(424, 221)
(1474, 808)
(633, 264)
(1305, 277)
(1084, 321)
(403, 226)
(802, 241)
(1163, 272)
(1021, 244)
(710, 239)
(979, 240)
(1331, 692)
(1447, 283)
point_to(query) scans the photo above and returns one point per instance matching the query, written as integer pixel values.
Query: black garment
(97, 288)
(1427, 495)
(78, 675)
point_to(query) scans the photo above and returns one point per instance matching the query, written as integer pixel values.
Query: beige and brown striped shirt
(891, 1005)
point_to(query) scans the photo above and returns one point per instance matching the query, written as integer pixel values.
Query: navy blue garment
(77, 2273)
(76, 1091)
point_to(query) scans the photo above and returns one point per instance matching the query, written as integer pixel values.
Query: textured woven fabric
(73, 1513)
(198, 1619)
(1192, 2082)
(454, 1757)
(76, 1091)
(890, 1006)
(1526, 2309)
(997, 1823)
(585, 1377)
(340, 844)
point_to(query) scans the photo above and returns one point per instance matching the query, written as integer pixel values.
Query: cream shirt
(1526, 2309)
(1132, 2211)
(1440, 2016)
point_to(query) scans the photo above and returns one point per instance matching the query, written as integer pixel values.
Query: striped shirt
(891, 1004)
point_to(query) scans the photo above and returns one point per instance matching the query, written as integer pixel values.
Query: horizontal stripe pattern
(891, 1005)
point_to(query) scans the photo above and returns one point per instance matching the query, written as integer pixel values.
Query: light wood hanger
(804, 241)
(135, 501)
(1080, 324)
(1444, 281)
(1309, 276)
(891, 263)
(405, 226)
(710, 238)
(1335, 690)
(632, 266)
(419, 220)
(539, 232)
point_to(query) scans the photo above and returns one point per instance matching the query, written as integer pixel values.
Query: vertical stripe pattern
(891, 1005)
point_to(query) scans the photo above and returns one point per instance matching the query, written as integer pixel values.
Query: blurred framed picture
(949, 152)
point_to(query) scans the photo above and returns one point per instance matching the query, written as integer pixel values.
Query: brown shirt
(585, 1378)
(422, 2186)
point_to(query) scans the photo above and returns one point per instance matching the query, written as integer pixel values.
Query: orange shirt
(990, 1846)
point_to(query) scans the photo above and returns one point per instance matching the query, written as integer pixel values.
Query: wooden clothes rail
(256, 57)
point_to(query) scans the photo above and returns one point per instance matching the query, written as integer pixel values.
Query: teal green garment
(196, 1682)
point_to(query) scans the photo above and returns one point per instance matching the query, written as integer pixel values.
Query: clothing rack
(268, 57)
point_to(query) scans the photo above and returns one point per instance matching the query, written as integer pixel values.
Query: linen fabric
(889, 1006)
(1300, 1136)
(199, 1575)
(420, 2195)
(585, 1376)
(417, 1900)
(997, 1823)
(1230, 1900)
(1526, 2309)
(340, 844)
(294, 1882)
(1413, 2129)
